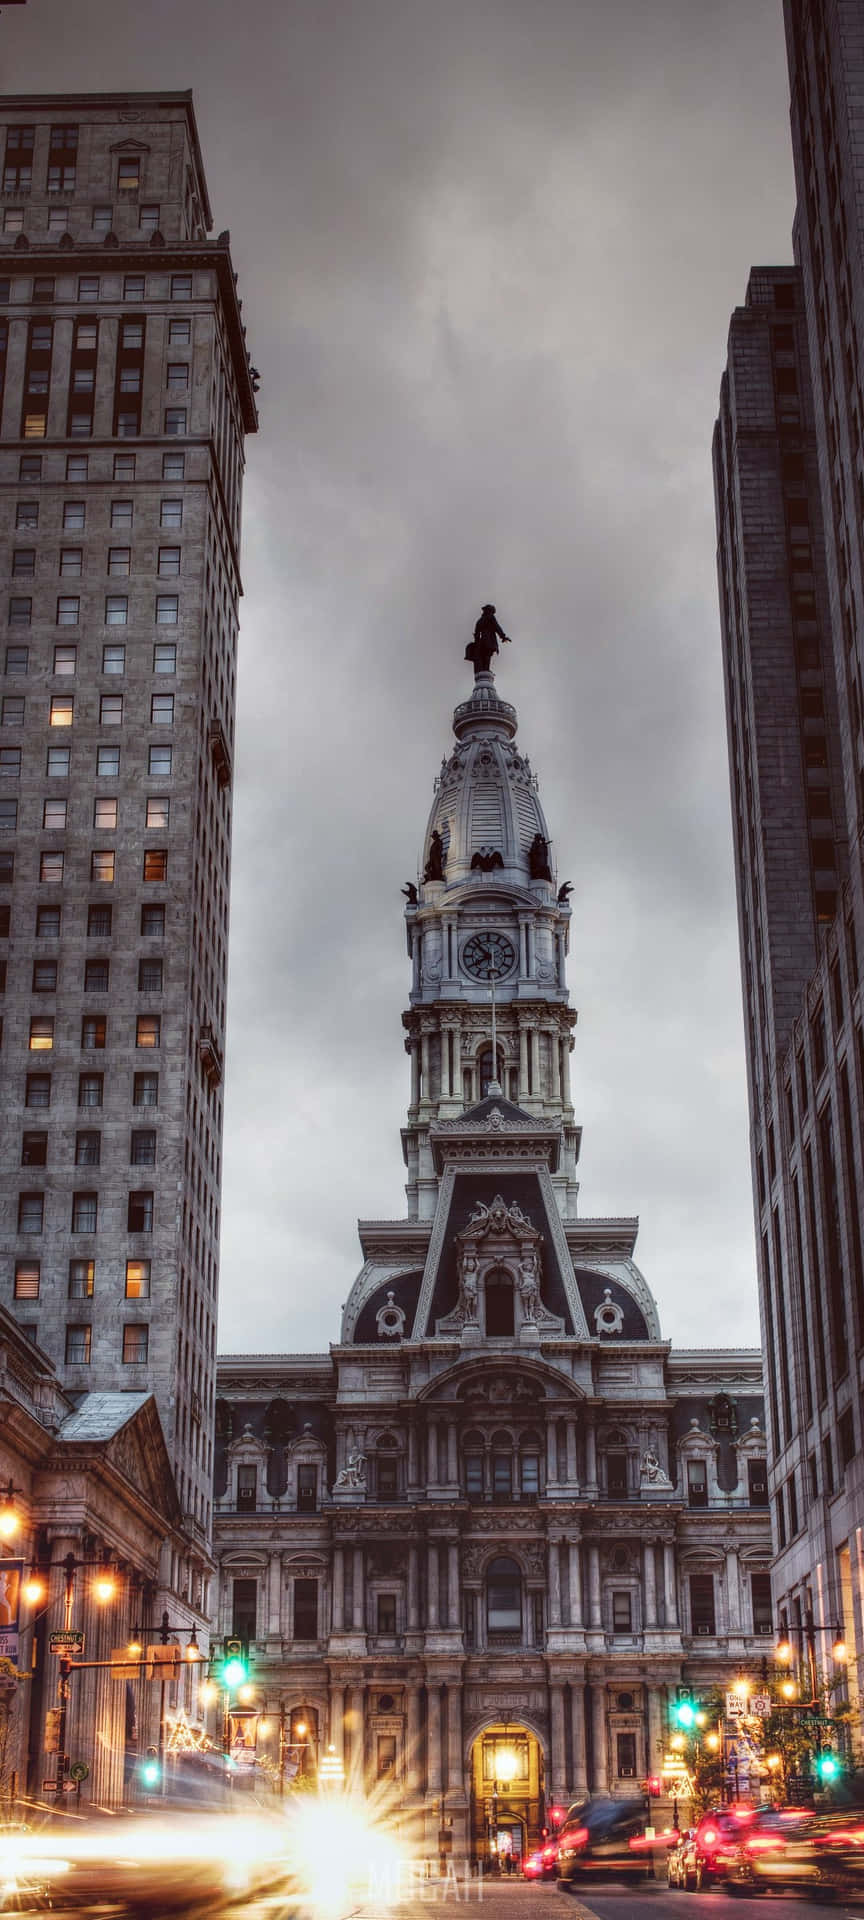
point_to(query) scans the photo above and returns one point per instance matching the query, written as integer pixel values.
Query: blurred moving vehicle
(605, 1837)
(708, 1852)
(542, 1864)
(789, 1847)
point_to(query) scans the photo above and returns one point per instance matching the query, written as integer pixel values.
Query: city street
(514, 1900)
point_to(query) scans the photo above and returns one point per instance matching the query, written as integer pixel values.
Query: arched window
(484, 1069)
(503, 1596)
(498, 1292)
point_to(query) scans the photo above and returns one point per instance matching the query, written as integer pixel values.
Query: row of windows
(88, 1148)
(134, 1351)
(91, 1089)
(160, 760)
(82, 1279)
(96, 976)
(77, 467)
(99, 924)
(166, 612)
(102, 217)
(89, 285)
(94, 1030)
(120, 514)
(118, 565)
(65, 659)
(62, 171)
(157, 809)
(35, 425)
(85, 1211)
(61, 711)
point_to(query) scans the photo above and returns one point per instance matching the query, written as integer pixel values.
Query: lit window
(114, 659)
(85, 1210)
(121, 513)
(31, 1212)
(124, 466)
(119, 559)
(58, 761)
(10, 762)
(54, 814)
(41, 1033)
(88, 284)
(135, 1345)
(149, 976)
(62, 709)
(148, 217)
(156, 864)
(88, 1149)
(175, 421)
(178, 373)
(74, 514)
(82, 1274)
(68, 610)
(27, 1276)
(116, 610)
(181, 286)
(51, 868)
(90, 1089)
(77, 466)
(96, 976)
(20, 611)
(94, 1032)
(111, 709)
(139, 1216)
(148, 1030)
(173, 466)
(161, 709)
(105, 814)
(65, 659)
(12, 710)
(171, 513)
(27, 513)
(108, 762)
(153, 920)
(35, 426)
(179, 333)
(128, 173)
(38, 1090)
(133, 286)
(145, 1090)
(138, 1277)
(78, 1346)
(102, 866)
(44, 978)
(165, 657)
(157, 811)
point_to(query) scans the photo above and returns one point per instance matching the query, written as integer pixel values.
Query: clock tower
(487, 929)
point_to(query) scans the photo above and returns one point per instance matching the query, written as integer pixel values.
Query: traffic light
(235, 1666)
(828, 1767)
(151, 1770)
(684, 1713)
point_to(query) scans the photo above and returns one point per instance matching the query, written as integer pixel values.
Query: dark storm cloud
(488, 253)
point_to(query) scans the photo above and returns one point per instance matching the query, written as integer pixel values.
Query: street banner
(10, 1598)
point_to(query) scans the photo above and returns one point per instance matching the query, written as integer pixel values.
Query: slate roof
(101, 1415)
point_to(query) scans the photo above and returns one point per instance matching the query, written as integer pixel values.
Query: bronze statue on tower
(487, 634)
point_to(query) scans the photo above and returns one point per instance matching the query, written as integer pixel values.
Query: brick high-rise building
(789, 481)
(126, 396)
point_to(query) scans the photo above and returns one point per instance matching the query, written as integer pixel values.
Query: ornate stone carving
(390, 1319)
(609, 1316)
(353, 1475)
(652, 1475)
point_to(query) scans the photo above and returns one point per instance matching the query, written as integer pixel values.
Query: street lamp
(10, 1518)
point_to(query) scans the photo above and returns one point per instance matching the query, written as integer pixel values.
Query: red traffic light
(556, 1815)
(654, 1785)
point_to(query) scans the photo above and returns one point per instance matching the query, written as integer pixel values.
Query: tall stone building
(126, 396)
(789, 485)
(478, 1545)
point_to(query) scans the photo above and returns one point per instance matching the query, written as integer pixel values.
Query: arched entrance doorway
(507, 1793)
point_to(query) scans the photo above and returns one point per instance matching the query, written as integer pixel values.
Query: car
(605, 1837)
(677, 1864)
(777, 1850)
(714, 1845)
(543, 1863)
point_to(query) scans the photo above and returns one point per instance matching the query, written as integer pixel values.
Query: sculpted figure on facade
(353, 1474)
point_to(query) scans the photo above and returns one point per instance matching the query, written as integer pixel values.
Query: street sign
(49, 1786)
(78, 1771)
(67, 1644)
(761, 1705)
(736, 1705)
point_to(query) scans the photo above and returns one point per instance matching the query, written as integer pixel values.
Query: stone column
(358, 1595)
(554, 1564)
(432, 1454)
(453, 1584)
(572, 1470)
(551, 1451)
(426, 1091)
(452, 1454)
(415, 1073)
(558, 1750)
(523, 1062)
(655, 1728)
(649, 1584)
(338, 1590)
(433, 1739)
(412, 1454)
(577, 1735)
(416, 958)
(413, 1589)
(598, 1697)
(356, 1736)
(274, 1595)
(454, 1738)
(337, 1719)
(595, 1616)
(733, 1591)
(670, 1582)
(413, 1756)
(590, 1456)
(575, 1571)
(432, 1577)
(15, 362)
(57, 398)
(568, 1097)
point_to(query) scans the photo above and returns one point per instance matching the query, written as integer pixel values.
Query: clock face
(488, 953)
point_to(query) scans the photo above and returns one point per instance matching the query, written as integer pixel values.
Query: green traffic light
(684, 1714)
(234, 1672)
(828, 1766)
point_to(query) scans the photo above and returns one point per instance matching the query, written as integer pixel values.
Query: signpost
(69, 1645)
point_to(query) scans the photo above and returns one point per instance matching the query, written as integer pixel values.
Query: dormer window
(247, 1489)
(307, 1489)
(697, 1483)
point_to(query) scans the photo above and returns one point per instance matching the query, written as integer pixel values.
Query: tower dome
(486, 807)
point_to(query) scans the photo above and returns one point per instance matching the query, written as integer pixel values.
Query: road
(514, 1900)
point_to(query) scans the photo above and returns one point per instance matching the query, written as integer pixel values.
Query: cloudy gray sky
(488, 250)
